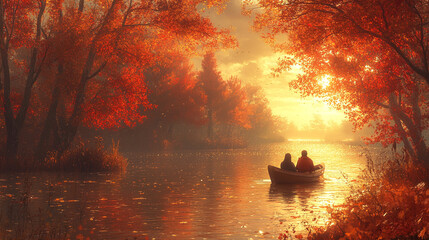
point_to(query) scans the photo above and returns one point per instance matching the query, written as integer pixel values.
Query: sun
(325, 81)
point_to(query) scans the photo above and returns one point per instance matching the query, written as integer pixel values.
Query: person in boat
(304, 164)
(287, 163)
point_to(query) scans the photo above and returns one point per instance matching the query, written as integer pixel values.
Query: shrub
(390, 203)
(88, 159)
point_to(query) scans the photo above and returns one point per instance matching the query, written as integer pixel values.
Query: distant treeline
(192, 109)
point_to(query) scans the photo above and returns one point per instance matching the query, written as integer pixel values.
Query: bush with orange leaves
(390, 203)
(85, 158)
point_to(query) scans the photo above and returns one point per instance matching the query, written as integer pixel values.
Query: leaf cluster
(390, 203)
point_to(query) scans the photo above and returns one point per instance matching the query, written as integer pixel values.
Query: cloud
(251, 72)
(252, 46)
(253, 62)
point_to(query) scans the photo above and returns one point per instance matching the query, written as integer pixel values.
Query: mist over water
(213, 194)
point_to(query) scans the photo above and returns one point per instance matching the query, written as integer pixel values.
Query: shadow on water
(302, 205)
(302, 194)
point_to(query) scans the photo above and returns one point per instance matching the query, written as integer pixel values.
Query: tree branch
(382, 105)
(39, 68)
(98, 70)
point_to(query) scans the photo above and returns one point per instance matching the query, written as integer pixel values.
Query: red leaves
(369, 50)
(118, 101)
(299, 236)
(126, 42)
(386, 207)
(173, 88)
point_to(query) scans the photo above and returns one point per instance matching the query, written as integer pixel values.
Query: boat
(280, 176)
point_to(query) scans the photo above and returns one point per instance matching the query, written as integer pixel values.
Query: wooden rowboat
(280, 176)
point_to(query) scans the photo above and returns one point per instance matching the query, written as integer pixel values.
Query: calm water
(213, 194)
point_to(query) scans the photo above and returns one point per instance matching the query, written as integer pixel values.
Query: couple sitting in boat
(304, 164)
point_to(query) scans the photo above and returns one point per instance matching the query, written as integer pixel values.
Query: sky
(253, 61)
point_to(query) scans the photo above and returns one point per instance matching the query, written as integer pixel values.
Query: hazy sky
(252, 63)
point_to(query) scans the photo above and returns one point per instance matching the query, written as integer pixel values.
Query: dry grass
(391, 202)
(92, 159)
(87, 159)
(84, 157)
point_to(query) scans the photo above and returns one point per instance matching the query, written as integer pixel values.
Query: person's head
(288, 157)
(304, 153)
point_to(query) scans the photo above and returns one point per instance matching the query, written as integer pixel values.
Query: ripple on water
(217, 194)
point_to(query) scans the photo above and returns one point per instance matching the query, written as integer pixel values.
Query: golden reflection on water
(215, 194)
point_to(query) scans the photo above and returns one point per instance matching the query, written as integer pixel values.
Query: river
(204, 194)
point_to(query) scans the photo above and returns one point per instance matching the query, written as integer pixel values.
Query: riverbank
(390, 201)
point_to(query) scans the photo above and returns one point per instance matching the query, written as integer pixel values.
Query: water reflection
(216, 194)
(300, 193)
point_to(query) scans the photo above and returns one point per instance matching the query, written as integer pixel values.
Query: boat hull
(280, 176)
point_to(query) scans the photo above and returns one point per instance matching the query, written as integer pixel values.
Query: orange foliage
(391, 205)
(263, 122)
(83, 62)
(173, 89)
(129, 40)
(226, 100)
(234, 108)
(211, 81)
(365, 58)
(183, 100)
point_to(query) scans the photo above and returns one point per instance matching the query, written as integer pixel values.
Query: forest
(73, 70)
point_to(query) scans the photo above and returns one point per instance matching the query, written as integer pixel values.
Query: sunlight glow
(324, 81)
(369, 68)
(304, 140)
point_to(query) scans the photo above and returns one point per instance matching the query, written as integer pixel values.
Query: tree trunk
(210, 124)
(12, 136)
(81, 5)
(50, 122)
(14, 125)
(12, 144)
(415, 133)
(12, 131)
(170, 132)
(70, 126)
(49, 127)
(402, 133)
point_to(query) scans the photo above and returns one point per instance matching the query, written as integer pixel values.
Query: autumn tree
(181, 98)
(265, 127)
(233, 110)
(173, 89)
(368, 58)
(20, 29)
(213, 86)
(97, 53)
